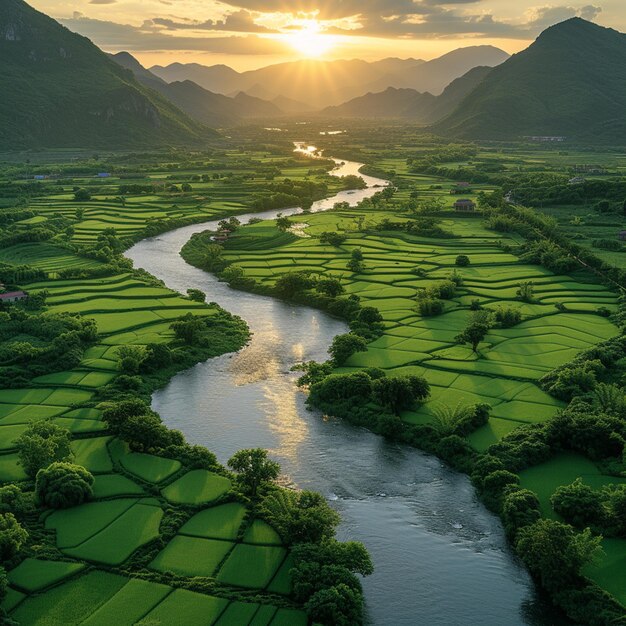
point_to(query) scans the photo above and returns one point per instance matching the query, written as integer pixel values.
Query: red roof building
(13, 296)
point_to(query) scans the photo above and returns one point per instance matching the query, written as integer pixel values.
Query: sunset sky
(246, 34)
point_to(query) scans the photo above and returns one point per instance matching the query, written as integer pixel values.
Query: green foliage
(462, 260)
(344, 346)
(254, 469)
(196, 295)
(292, 283)
(474, 333)
(526, 291)
(12, 536)
(299, 517)
(507, 317)
(400, 392)
(62, 485)
(555, 553)
(332, 238)
(41, 444)
(520, 508)
(330, 287)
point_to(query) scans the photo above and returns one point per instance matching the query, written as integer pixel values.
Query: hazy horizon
(248, 34)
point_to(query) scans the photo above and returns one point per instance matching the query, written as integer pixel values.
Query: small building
(13, 296)
(460, 188)
(622, 235)
(465, 205)
(577, 180)
(104, 175)
(40, 177)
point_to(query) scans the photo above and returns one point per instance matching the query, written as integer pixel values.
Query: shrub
(462, 260)
(579, 504)
(332, 238)
(429, 307)
(520, 508)
(62, 485)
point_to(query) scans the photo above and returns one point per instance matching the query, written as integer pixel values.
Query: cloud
(239, 22)
(114, 36)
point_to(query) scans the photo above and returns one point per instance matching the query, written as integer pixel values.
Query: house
(40, 177)
(104, 175)
(622, 235)
(577, 180)
(13, 296)
(464, 205)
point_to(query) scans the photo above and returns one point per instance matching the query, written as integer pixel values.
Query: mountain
(202, 105)
(433, 76)
(59, 90)
(570, 82)
(330, 83)
(216, 78)
(409, 103)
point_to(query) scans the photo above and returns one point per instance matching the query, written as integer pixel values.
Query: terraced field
(510, 361)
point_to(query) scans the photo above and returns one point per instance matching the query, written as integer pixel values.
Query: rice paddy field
(107, 561)
(510, 361)
(116, 558)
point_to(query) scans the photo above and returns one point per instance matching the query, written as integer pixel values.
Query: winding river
(441, 558)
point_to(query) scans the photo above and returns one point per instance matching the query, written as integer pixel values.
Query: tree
(579, 504)
(330, 287)
(520, 508)
(525, 291)
(41, 444)
(344, 346)
(300, 517)
(62, 485)
(188, 328)
(196, 295)
(332, 238)
(355, 264)
(462, 260)
(145, 433)
(212, 259)
(282, 223)
(254, 468)
(336, 606)
(12, 536)
(400, 392)
(555, 553)
(82, 195)
(186, 187)
(291, 283)
(473, 334)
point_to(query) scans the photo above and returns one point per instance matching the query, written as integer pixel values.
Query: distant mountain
(329, 83)
(59, 90)
(210, 108)
(290, 107)
(410, 104)
(571, 82)
(437, 74)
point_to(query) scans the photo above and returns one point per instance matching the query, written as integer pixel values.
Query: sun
(309, 41)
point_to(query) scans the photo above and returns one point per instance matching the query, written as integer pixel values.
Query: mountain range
(414, 106)
(58, 89)
(327, 83)
(571, 82)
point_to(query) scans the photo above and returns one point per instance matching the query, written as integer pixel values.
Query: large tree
(253, 468)
(42, 443)
(62, 485)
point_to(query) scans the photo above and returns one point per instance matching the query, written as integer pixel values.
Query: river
(441, 558)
